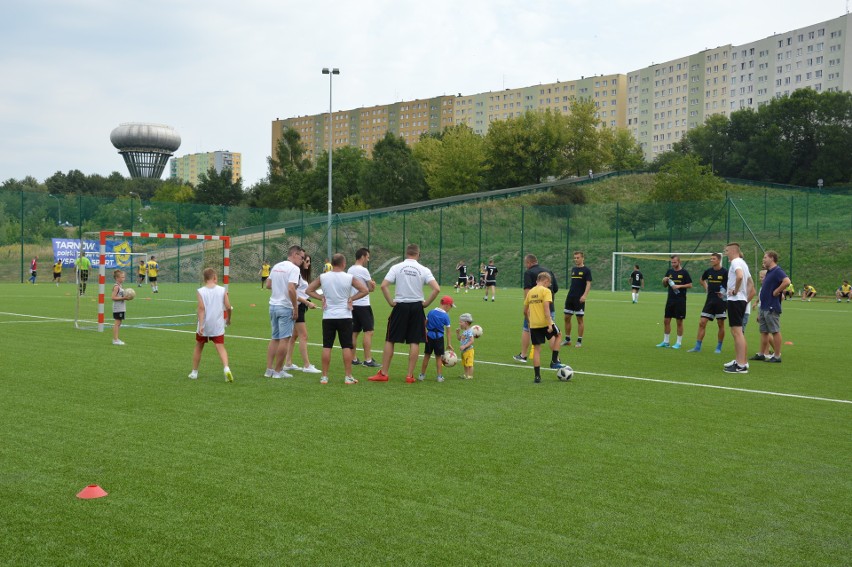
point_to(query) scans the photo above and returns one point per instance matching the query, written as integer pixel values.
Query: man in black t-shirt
(715, 281)
(677, 280)
(575, 302)
(530, 277)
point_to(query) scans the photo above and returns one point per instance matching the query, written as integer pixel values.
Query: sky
(220, 72)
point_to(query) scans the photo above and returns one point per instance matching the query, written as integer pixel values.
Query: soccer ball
(565, 373)
(129, 294)
(477, 331)
(449, 358)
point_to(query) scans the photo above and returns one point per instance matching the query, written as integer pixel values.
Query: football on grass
(449, 358)
(129, 294)
(477, 331)
(565, 373)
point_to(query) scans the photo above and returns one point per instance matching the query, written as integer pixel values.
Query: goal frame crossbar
(651, 255)
(102, 239)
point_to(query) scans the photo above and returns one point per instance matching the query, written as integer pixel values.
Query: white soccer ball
(129, 294)
(565, 373)
(477, 331)
(449, 358)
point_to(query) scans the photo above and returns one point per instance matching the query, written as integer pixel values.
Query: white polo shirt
(409, 276)
(282, 274)
(336, 287)
(363, 274)
(742, 295)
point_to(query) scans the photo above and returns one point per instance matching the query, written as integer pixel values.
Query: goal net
(653, 266)
(175, 260)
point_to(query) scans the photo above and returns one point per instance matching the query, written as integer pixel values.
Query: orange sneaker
(410, 379)
(379, 377)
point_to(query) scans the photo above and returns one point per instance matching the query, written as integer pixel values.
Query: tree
(393, 176)
(348, 164)
(454, 163)
(689, 185)
(218, 188)
(625, 152)
(174, 192)
(583, 149)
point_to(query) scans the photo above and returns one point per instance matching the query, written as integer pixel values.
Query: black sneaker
(372, 363)
(772, 359)
(758, 356)
(520, 358)
(737, 369)
(537, 380)
(355, 362)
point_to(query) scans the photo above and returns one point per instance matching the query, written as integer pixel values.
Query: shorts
(490, 282)
(281, 320)
(676, 309)
(736, 313)
(526, 327)
(539, 335)
(769, 322)
(263, 280)
(57, 276)
(118, 315)
(635, 287)
(435, 346)
(362, 319)
(217, 340)
(84, 275)
(461, 282)
(302, 310)
(846, 294)
(339, 328)
(573, 306)
(407, 323)
(467, 358)
(714, 308)
(152, 279)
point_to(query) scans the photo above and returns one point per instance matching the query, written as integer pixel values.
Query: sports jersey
(153, 266)
(636, 278)
(535, 300)
(57, 267)
(363, 274)
(845, 288)
(531, 277)
(119, 306)
(810, 289)
(214, 311)
(264, 270)
(336, 287)
(680, 277)
(409, 276)
(491, 273)
(436, 322)
(142, 269)
(83, 263)
(462, 271)
(33, 265)
(579, 277)
(717, 280)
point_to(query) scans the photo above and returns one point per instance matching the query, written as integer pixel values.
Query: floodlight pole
(59, 204)
(330, 73)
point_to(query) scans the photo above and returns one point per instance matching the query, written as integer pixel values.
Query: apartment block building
(657, 104)
(189, 167)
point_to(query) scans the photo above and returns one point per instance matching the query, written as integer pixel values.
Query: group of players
(487, 279)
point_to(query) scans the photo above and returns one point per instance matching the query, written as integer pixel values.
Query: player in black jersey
(637, 282)
(462, 281)
(715, 281)
(490, 279)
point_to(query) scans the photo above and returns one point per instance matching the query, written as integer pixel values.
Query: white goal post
(104, 234)
(617, 258)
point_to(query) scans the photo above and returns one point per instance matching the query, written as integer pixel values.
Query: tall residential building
(657, 104)
(187, 168)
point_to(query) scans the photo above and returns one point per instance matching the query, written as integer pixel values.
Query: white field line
(507, 365)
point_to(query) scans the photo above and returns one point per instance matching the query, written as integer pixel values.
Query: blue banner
(118, 252)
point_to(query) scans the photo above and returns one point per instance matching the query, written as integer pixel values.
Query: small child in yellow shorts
(465, 336)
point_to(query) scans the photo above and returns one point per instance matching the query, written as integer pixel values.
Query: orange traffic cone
(92, 491)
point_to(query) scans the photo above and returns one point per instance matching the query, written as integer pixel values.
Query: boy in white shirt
(214, 313)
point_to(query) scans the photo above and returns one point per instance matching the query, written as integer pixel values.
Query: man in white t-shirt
(737, 295)
(283, 279)
(362, 312)
(337, 300)
(407, 321)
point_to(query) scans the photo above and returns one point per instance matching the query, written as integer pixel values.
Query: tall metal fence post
(522, 246)
(369, 227)
(263, 242)
(617, 213)
(22, 236)
(403, 234)
(791, 236)
(440, 245)
(480, 237)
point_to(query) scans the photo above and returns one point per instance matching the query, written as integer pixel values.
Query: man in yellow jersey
(264, 273)
(845, 290)
(153, 271)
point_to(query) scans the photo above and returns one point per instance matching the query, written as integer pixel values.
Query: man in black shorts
(407, 321)
(714, 280)
(575, 303)
(677, 280)
(637, 282)
(362, 311)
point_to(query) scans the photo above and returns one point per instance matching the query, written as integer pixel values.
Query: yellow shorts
(467, 358)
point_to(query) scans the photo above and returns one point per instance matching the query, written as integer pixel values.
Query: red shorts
(219, 340)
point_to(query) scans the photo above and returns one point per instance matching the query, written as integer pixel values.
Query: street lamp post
(330, 73)
(59, 204)
(712, 161)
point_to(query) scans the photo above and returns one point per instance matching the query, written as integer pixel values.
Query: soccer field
(647, 457)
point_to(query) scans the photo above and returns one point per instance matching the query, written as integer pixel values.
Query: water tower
(146, 148)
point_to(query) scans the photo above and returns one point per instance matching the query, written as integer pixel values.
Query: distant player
(119, 305)
(575, 302)
(57, 272)
(82, 265)
(845, 290)
(637, 282)
(461, 282)
(153, 272)
(33, 270)
(714, 280)
(808, 292)
(789, 292)
(214, 313)
(490, 280)
(140, 273)
(678, 281)
(264, 273)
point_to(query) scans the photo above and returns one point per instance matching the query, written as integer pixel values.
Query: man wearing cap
(437, 324)
(407, 321)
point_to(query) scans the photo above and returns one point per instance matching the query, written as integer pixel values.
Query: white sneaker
(440, 378)
(324, 380)
(734, 363)
(291, 367)
(193, 375)
(310, 369)
(269, 372)
(282, 374)
(118, 342)
(421, 377)
(229, 376)
(350, 380)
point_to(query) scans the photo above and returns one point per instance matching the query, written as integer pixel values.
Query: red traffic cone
(92, 491)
